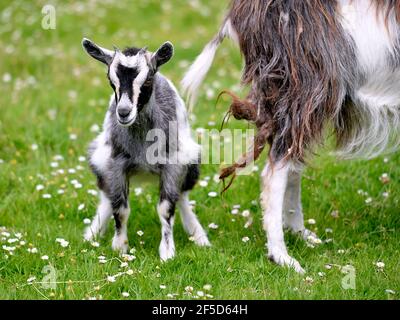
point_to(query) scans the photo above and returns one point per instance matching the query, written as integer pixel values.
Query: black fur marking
(94, 51)
(117, 222)
(192, 176)
(146, 91)
(171, 213)
(130, 52)
(170, 196)
(163, 54)
(126, 77)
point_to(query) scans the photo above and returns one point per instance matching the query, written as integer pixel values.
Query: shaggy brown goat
(311, 65)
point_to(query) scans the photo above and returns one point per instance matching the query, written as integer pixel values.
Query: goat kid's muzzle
(126, 115)
(126, 111)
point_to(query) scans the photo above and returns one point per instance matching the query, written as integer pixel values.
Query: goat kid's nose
(123, 112)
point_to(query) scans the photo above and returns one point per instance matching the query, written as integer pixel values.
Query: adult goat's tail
(199, 69)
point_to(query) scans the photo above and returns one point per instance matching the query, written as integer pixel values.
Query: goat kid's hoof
(201, 241)
(88, 234)
(167, 254)
(120, 244)
(284, 260)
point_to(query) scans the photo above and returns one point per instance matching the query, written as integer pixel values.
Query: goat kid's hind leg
(274, 183)
(293, 217)
(189, 219)
(190, 222)
(101, 220)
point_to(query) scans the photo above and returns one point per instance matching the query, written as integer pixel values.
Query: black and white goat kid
(143, 101)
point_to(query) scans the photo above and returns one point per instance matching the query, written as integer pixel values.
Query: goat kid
(144, 101)
(309, 64)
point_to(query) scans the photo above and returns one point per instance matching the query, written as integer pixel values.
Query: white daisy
(213, 226)
(311, 221)
(203, 183)
(245, 239)
(246, 213)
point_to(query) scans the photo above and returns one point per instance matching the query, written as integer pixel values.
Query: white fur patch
(101, 155)
(120, 243)
(378, 99)
(139, 80)
(367, 28)
(162, 209)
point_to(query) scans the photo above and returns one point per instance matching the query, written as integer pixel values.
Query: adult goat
(311, 65)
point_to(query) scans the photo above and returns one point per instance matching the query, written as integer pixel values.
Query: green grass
(57, 90)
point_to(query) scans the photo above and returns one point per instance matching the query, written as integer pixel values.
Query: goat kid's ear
(99, 53)
(163, 54)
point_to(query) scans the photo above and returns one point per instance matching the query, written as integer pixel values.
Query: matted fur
(299, 63)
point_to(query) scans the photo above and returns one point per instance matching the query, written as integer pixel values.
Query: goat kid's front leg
(293, 217)
(119, 190)
(169, 196)
(166, 212)
(120, 241)
(274, 183)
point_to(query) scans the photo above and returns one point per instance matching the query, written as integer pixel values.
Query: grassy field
(53, 98)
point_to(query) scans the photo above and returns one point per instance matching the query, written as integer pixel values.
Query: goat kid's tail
(199, 69)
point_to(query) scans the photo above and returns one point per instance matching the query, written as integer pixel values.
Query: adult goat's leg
(274, 183)
(293, 217)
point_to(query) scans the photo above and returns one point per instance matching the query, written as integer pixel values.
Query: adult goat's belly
(380, 90)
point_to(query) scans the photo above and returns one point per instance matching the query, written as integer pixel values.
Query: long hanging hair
(299, 64)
